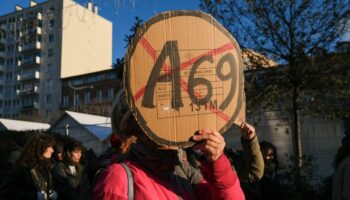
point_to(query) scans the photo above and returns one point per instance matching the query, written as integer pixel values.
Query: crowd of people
(135, 167)
(40, 174)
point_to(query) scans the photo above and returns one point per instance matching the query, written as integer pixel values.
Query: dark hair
(32, 154)
(123, 122)
(59, 148)
(264, 146)
(73, 145)
(343, 151)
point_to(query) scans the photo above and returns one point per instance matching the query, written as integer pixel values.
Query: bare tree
(297, 34)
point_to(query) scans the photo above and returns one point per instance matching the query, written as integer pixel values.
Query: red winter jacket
(220, 182)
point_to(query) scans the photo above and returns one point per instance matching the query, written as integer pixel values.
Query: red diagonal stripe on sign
(167, 69)
(184, 85)
(150, 50)
(223, 48)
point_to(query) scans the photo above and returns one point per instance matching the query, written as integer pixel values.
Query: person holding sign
(184, 86)
(158, 173)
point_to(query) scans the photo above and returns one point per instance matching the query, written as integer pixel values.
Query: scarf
(166, 165)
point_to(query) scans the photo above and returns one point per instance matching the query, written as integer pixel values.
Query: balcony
(3, 41)
(30, 47)
(3, 27)
(2, 81)
(39, 16)
(28, 76)
(35, 30)
(2, 54)
(32, 16)
(30, 62)
(28, 91)
(31, 105)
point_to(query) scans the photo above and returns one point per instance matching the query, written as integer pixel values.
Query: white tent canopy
(98, 125)
(19, 125)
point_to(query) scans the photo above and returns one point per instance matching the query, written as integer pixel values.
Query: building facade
(91, 93)
(43, 43)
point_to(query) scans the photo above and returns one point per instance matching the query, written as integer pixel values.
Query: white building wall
(86, 41)
(82, 43)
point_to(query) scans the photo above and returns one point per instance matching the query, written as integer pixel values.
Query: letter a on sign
(183, 72)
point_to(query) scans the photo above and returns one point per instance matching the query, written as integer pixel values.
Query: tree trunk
(297, 140)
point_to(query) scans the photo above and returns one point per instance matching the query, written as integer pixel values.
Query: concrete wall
(320, 137)
(86, 41)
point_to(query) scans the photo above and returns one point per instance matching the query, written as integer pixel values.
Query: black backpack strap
(130, 181)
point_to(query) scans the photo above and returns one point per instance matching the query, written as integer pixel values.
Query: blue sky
(120, 12)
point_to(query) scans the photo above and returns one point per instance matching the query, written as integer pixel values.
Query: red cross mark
(184, 85)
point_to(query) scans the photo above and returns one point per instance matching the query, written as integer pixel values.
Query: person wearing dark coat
(270, 185)
(249, 163)
(341, 177)
(31, 177)
(68, 173)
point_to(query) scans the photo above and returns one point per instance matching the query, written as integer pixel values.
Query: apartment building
(91, 93)
(44, 42)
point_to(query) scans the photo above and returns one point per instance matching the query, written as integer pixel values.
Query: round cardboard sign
(183, 72)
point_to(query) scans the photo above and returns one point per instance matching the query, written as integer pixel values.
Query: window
(110, 93)
(7, 104)
(99, 95)
(49, 68)
(77, 82)
(77, 99)
(48, 112)
(8, 78)
(48, 98)
(65, 100)
(49, 83)
(87, 97)
(51, 37)
(52, 23)
(50, 53)
(112, 75)
(27, 58)
(15, 88)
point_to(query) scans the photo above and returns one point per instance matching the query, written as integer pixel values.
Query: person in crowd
(31, 177)
(249, 163)
(270, 183)
(11, 160)
(67, 174)
(58, 154)
(158, 173)
(118, 147)
(341, 177)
